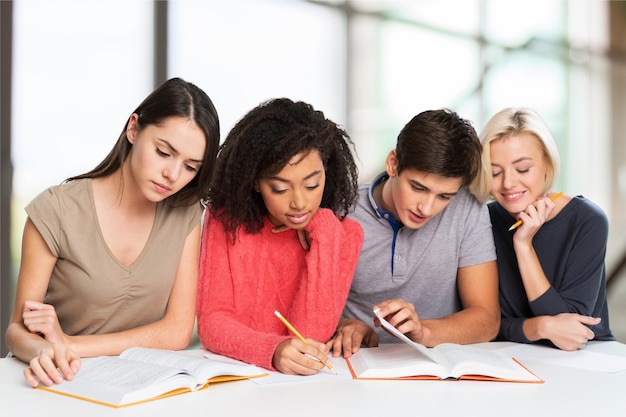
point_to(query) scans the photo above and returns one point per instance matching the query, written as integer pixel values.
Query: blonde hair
(509, 121)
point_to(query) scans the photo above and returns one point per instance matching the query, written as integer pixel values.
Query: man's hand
(401, 315)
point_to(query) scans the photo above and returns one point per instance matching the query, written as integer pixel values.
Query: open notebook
(143, 374)
(410, 360)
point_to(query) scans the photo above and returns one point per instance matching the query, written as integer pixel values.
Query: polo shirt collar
(385, 214)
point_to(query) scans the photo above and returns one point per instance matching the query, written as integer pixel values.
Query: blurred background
(72, 71)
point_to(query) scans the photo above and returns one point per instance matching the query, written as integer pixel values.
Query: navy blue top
(571, 248)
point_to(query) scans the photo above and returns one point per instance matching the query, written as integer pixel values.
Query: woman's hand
(533, 218)
(567, 331)
(53, 365)
(41, 319)
(303, 235)
(295, 357)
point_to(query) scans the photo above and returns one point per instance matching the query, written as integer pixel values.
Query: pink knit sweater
(242, 284)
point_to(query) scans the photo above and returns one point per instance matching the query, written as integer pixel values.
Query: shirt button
(386, 216)
(398, 257)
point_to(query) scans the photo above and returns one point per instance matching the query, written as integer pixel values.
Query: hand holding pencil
(553, 198)
(300, 337)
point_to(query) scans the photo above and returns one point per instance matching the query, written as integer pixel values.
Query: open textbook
(143, 374)
(412, 360)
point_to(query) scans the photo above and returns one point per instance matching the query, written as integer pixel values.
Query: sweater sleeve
(330, 262)
(222, 327)
(241, 285)
(575, 268)
(512, 330)
(583, 273)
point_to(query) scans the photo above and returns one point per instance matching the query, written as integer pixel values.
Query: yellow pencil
(299, 336)
(519, 222)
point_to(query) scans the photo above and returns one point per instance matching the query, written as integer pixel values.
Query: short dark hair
(174, 98)
(440, 142)
(261, 144)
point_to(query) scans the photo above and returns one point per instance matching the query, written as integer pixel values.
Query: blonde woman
(551, 268)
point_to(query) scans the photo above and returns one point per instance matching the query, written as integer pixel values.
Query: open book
(143, 374)
(412, 360)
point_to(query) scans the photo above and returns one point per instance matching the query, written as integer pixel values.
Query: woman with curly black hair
(276, 238)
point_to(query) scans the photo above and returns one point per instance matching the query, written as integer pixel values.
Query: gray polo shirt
(417, 265)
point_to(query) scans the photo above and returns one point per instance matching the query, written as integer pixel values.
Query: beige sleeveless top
(90, 290)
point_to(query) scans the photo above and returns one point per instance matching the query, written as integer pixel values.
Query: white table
(567, 391)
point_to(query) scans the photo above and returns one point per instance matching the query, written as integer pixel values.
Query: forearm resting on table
(534, 328)
(154, 335)
(561, 326)
(24, 345)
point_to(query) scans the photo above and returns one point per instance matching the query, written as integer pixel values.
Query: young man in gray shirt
(428, 262)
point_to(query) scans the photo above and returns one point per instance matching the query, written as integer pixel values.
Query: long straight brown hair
(173, 98)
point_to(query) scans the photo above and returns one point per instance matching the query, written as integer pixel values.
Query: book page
(463, 360)
(395, 360)
(116, 381)
(467, 360)
(429, 353)
(202, 368)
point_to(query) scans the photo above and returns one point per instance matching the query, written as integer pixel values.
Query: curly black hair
(261, 144)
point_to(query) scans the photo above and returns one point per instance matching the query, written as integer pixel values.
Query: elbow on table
(494, 329)
(487, 328)
(177, 336)
(483, 326)
(178, 341)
